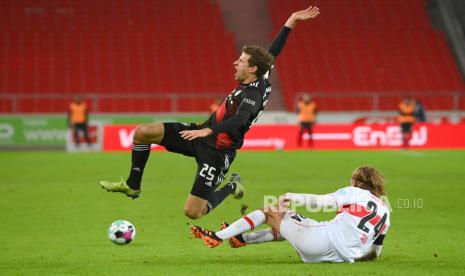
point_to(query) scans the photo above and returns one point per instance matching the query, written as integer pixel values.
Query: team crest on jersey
(364, 238)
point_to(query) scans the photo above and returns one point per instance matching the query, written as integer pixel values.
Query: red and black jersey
(242, 108)
(238, 112)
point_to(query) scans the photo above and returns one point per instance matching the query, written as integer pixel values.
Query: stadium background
(150, 61)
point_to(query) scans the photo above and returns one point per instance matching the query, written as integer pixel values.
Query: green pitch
(54, 216)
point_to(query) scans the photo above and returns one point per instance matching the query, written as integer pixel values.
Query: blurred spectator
(214, 105)
(420, 114)
(306, 108)
(407, 109)
(77, 120)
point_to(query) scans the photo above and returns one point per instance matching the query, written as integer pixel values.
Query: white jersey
(361, 219)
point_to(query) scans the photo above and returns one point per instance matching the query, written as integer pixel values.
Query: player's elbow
(370, 256)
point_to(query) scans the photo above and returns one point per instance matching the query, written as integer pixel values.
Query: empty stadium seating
(161, 56)
(118, 47)
(360, 48)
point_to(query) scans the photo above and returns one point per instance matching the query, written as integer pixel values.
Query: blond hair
(368, 178)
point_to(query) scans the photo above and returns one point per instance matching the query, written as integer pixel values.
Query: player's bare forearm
(280, 40)
(197, 133)
(302, 15)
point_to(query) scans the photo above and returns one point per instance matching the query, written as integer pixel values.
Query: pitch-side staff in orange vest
(406, 119)
(306, 108)
(77, 120)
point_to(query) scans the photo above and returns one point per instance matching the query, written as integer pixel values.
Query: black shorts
(212, 164)
(306, 125)
(406, 127)
(80, 126)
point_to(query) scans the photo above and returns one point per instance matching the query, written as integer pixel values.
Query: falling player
(213, 144)
(355, 234)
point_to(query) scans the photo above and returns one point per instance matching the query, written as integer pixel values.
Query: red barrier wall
(326, 136)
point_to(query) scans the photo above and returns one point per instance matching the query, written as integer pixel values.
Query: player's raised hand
(197, 133)
(310, 12)
(302, 15)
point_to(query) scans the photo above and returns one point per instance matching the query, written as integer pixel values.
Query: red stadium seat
(362, 47)
(120, 48)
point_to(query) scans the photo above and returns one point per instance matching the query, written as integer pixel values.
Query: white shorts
(309, 237)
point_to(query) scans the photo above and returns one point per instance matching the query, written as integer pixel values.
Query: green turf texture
(54, 216)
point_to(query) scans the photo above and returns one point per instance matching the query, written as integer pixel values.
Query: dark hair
(368, 178)
(259, 57)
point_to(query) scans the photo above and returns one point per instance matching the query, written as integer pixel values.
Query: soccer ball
(121, 232)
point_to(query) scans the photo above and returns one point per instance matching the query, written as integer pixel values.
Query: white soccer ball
(121, 232)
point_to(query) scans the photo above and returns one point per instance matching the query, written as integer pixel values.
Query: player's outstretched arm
(309, 13)
(280, 39)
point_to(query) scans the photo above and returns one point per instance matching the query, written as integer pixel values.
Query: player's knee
(192, 214)
(142, 133)
(139, 133)
(148, 133)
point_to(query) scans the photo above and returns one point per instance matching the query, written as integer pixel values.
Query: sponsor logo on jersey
(249, 101)
(254, 84)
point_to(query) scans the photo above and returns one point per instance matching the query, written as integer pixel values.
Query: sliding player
(355, 234)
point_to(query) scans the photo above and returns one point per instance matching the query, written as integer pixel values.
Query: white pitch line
(332, 136)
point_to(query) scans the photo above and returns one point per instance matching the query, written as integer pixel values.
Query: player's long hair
(259, 57)
(368, 178)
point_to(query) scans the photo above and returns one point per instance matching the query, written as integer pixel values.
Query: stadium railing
(200, 102)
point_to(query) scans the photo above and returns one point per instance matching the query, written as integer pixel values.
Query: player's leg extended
(273, 218)
(244, 224)
(144, 136)
(206, 179)
(240, 240)
(233, 187)
(212, 165)
(261, 236)
(196, 205)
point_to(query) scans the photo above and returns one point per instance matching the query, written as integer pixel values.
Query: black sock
(219, 195)
(140, 155)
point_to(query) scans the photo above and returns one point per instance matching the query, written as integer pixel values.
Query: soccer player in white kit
(355, 234)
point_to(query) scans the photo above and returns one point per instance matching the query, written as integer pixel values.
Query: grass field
(55, 217)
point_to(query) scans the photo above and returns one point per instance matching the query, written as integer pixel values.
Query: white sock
(242, 225)
(262, 236)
